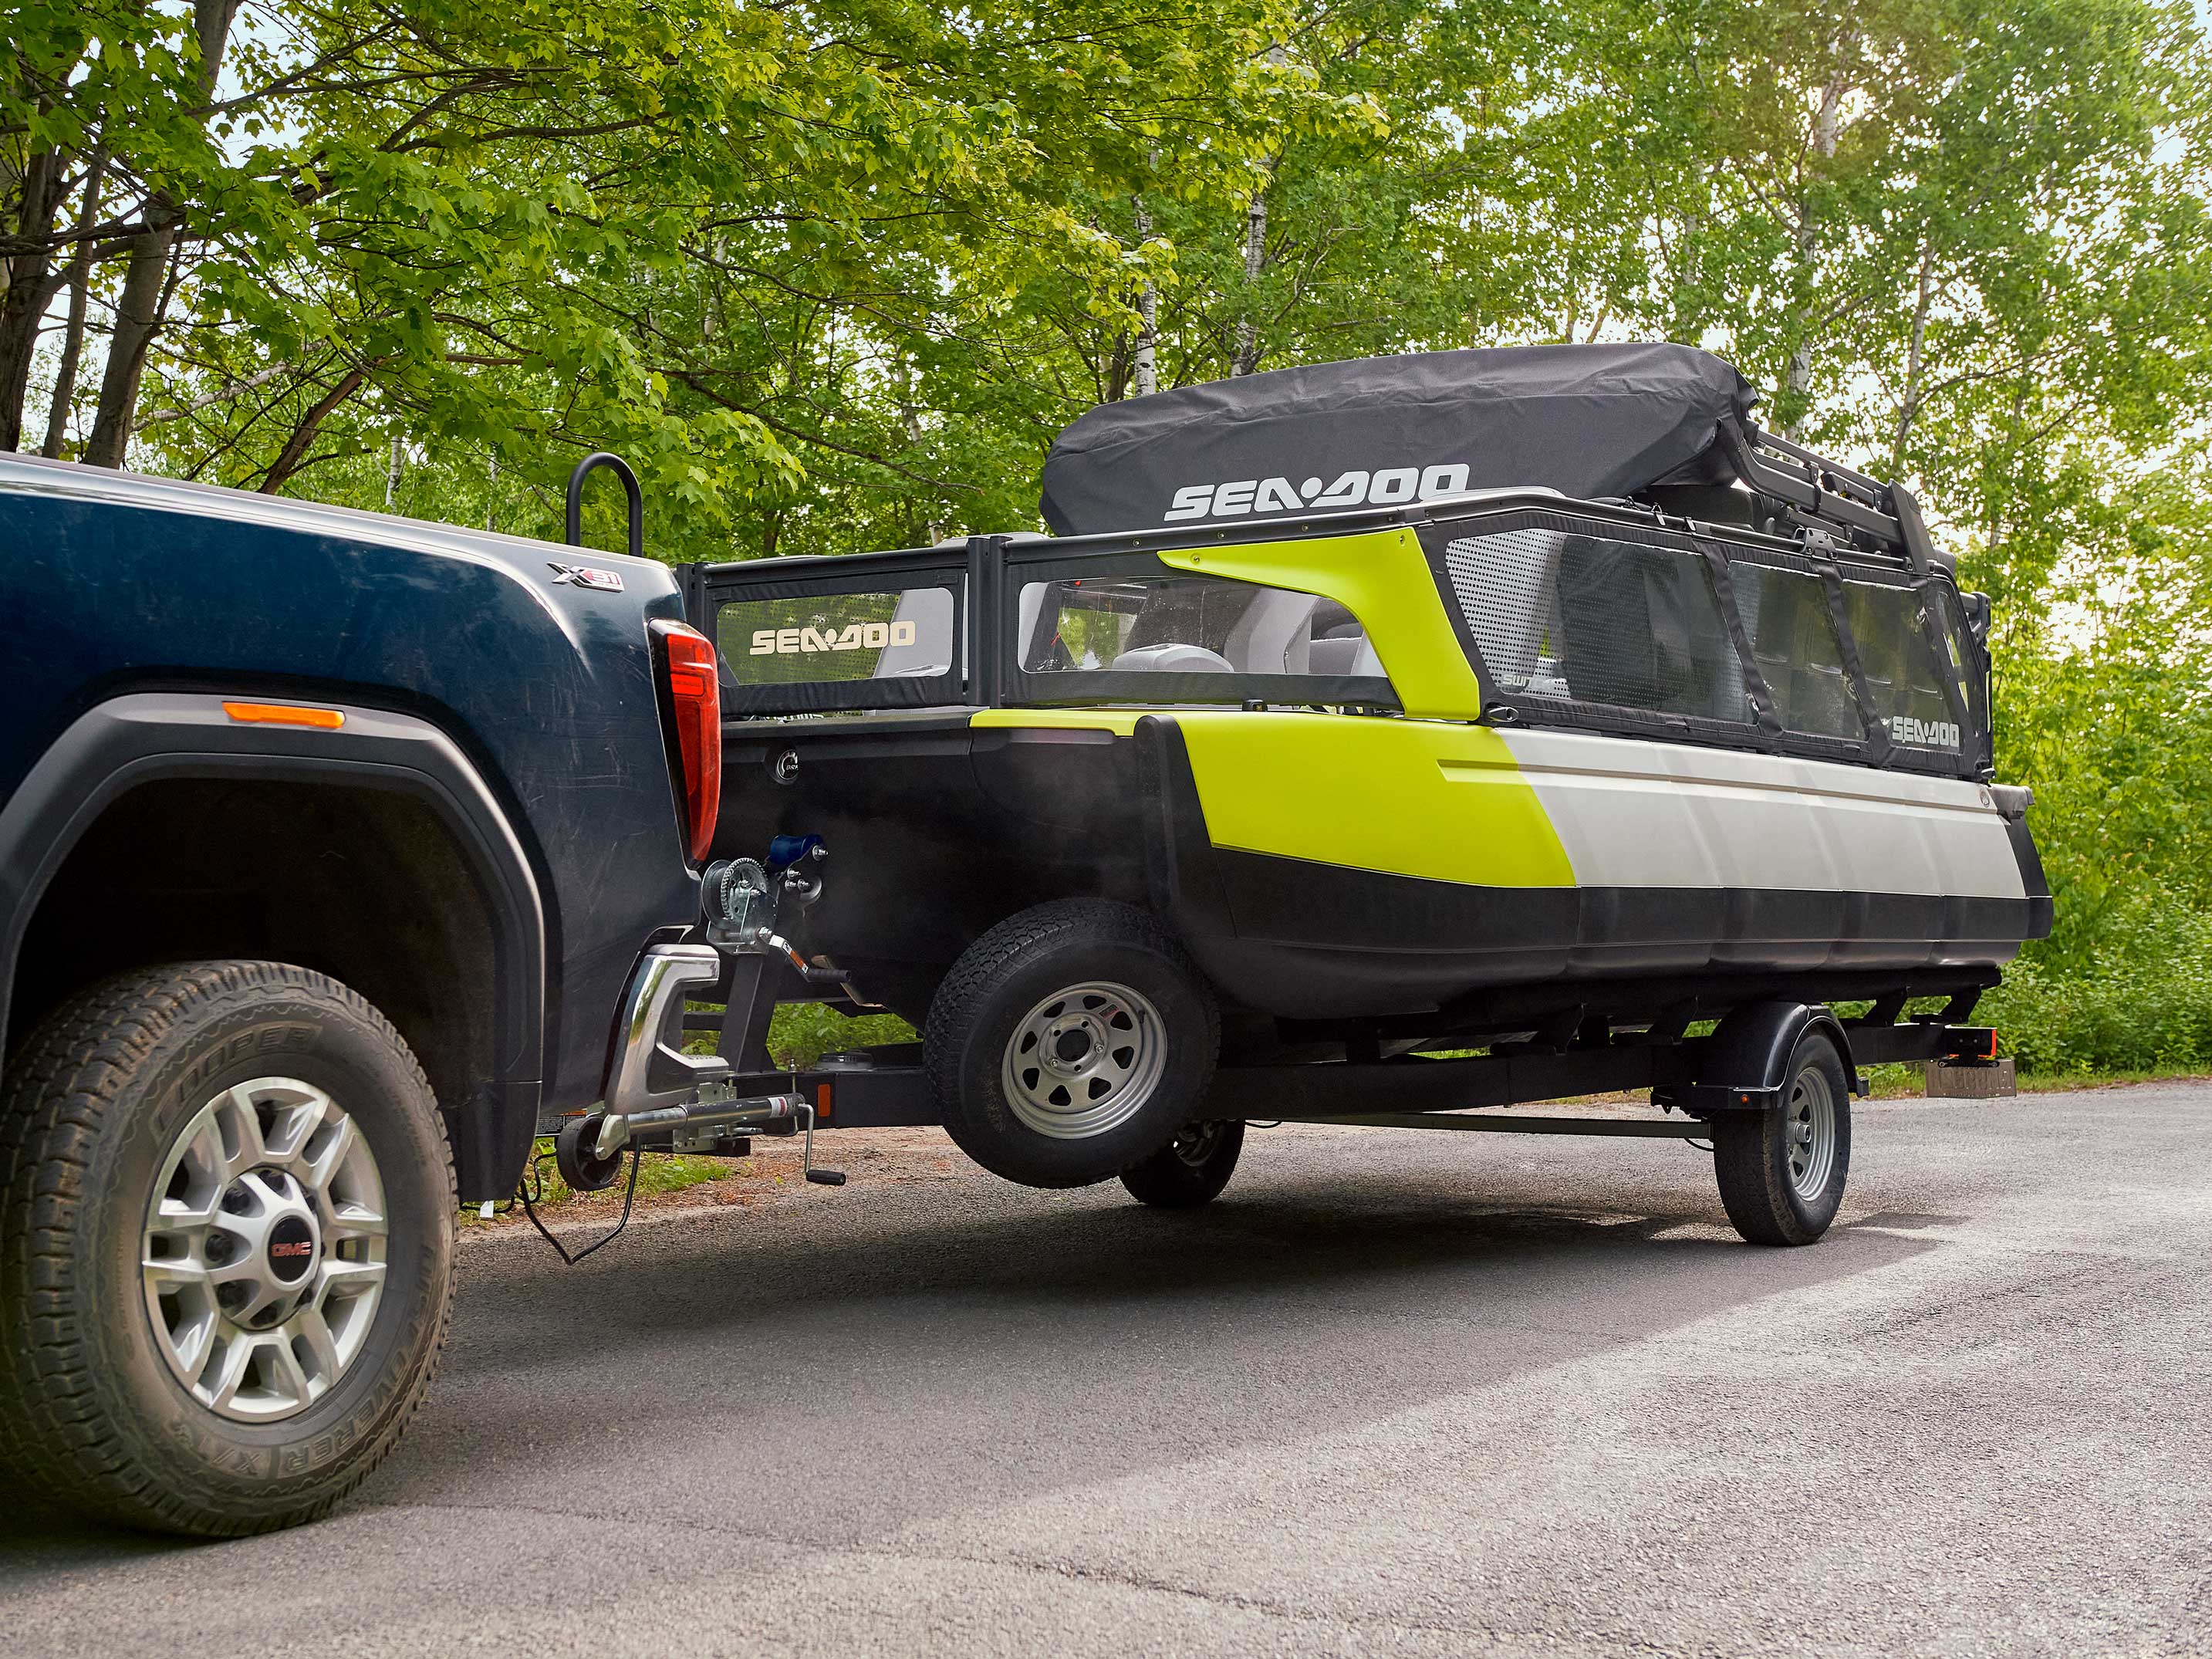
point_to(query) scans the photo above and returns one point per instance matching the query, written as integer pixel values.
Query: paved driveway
(1397, 1393)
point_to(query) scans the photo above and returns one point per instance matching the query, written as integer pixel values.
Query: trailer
(1382, 743)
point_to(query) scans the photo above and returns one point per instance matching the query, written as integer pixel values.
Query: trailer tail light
(692, 675)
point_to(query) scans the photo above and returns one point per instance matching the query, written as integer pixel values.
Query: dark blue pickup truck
(335, 850)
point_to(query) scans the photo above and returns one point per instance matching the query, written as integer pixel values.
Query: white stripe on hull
(1635, 813)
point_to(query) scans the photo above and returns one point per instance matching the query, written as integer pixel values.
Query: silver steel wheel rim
(1197, 1143)
(253, 1325)
(1084, 1061)
(1810, 1125)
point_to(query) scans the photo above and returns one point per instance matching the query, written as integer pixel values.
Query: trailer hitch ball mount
(659, 1090)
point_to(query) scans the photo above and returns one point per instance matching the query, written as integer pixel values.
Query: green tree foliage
(833, 276)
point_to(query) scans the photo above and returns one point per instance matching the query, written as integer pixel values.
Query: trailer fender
(1745, 1065)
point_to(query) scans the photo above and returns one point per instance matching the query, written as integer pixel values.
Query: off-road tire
(1191, 1170)
(90, 1413)
(1751, 1156)
(1001, 977)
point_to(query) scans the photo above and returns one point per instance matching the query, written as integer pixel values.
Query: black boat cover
(1588, 421)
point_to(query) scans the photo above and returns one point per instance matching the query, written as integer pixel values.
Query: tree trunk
(146, 278)
(1915, 360)
(1826, 127)
(137, 315)
(1147, 373)
(79, 286)
(1256, 255)
(31, 288)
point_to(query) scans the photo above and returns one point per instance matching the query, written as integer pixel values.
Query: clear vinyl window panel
(825, 638)
(1793, 640)
(1917, 691)
(1186, 625)
(1566, 616)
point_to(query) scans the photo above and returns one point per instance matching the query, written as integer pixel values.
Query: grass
(1904, 1082)
(657, 1173)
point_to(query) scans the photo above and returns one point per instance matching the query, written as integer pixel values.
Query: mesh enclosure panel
(1506, 585)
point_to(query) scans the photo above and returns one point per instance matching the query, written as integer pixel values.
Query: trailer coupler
(718, 1107)
(660, 1096)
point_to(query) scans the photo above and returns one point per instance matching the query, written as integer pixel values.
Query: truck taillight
(693, 677)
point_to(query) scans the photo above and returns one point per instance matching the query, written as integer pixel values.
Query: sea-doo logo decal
(583, 576)
(1389, 487)
(856, 637)
(1929, 734)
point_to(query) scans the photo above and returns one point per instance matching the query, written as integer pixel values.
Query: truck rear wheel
(227, 1250)
(1782, 1172)
(1069, 1042)
(1191, 1170)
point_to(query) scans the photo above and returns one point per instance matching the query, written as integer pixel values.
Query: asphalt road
(1396, 1393)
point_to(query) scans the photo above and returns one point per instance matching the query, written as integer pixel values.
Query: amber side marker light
(284, 713)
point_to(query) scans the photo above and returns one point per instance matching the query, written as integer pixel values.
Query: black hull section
(1318, 941)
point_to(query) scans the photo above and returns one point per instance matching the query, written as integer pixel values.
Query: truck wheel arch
(146, 738)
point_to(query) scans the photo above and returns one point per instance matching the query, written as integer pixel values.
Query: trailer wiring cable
(629, 1196)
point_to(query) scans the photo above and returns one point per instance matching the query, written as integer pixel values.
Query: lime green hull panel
(1436, 801)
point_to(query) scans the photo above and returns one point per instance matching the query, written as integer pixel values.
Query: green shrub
(802, 1032)
(2137, 998)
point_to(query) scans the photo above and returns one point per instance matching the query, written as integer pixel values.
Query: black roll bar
(584, 470)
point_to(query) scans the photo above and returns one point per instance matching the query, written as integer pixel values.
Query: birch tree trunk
(1915, 360)
(1256, 255)
(1146, 372)
(1827, 126)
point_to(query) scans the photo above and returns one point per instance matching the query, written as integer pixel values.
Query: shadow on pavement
(947, 1348)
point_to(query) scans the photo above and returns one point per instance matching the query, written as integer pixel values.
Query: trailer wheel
(1190, 1170)
(576, 1157)
(227, 1218)
(1782, 1172)
(1070, 1042)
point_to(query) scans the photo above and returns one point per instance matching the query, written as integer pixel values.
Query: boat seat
(1171, 657)
(1341, 655)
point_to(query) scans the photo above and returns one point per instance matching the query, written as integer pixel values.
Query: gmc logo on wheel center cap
(291, 1248)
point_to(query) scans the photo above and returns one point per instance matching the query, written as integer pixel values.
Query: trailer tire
(226, 1251)
(1782, 1171)
(1069, 1042)
(1191, 1170)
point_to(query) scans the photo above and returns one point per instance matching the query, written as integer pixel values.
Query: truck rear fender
(135, 741)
